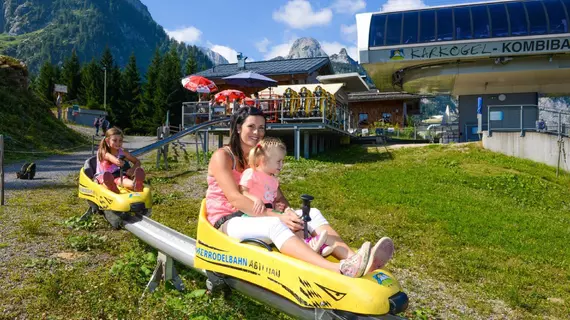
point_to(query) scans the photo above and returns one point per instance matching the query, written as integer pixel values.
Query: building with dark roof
(285, 71)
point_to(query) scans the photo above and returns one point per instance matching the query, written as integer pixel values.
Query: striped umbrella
(199, 84)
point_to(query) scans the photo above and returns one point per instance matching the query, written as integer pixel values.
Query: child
(260, 185)
(109, 164)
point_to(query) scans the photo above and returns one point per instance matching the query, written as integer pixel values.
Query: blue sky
(263, 29)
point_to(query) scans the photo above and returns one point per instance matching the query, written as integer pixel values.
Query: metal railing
(278, 110)
(511, 118)
(554, 121)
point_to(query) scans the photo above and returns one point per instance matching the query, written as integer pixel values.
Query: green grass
(487, 230)
(30, 130)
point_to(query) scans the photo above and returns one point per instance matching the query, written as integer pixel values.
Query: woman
(225, 205)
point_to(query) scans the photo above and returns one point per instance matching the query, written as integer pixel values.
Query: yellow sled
(377, 293)
(112, 205)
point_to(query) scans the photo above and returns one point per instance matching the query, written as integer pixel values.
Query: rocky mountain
(49, 30)
(341, 62)
(306, 48)
(215, 57)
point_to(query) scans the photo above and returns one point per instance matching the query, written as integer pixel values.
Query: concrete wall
(468, 110)
(84, 116)
(539, 147)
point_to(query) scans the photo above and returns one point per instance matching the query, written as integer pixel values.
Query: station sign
(462, 49)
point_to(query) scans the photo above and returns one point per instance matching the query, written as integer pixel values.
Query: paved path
(53, 170)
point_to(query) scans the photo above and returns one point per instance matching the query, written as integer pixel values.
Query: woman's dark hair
(236, 120)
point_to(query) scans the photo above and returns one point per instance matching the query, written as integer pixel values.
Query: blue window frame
(499, 21)
(427, 26)
(444, 24)
(536, 17)
(410, 34)
(481, 27)
(462, 17)
(394, 29)
(377, 33)
(556, 16)
(518, 19)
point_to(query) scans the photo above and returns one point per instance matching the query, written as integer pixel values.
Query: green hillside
(30, 130)
(36, 31)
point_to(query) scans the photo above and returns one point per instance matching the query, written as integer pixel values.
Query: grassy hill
(30, 130)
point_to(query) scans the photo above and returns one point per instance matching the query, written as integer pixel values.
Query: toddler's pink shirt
(260, 185)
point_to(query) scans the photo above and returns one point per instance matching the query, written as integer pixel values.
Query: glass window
(462, 23)
(444, 25)
(537, 17)
(499, 22)
(427, 26)
(377, 25)
(557, 16)
(363, 119)
(517, 17)
(481, 28)
(394, 29)
(410, 27)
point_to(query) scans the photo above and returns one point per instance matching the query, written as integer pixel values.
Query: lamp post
(105, 90)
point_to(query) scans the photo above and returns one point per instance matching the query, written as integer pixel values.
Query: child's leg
(319, 224)
(127, 182)
(107, 180)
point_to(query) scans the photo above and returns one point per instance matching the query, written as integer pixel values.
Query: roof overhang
(353, 81)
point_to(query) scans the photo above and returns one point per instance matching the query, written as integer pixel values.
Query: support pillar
(297, 147)
(314, 147)
(306, 144)
(321, 143)
(220, 140)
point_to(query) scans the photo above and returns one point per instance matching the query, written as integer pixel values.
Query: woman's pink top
(217, 205)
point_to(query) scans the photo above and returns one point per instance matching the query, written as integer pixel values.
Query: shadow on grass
(355, 154)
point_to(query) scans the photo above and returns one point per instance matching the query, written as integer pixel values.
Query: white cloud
(399, 5)
(349, 6)
(189, 35)
(262, 45)
(299, 14)
(348, 32)
(229, 53)
(279, 50)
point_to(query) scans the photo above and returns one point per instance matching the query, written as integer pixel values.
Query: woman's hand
(292, 222)
(258, 207)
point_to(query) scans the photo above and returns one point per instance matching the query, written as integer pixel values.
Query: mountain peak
(306, 48)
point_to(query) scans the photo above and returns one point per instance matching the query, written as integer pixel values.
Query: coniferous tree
(130, 95)
(169, 96)
(111, 86)
(92, 82)
(45, 82)
(147, 107)
(71, 76)
(189, 69)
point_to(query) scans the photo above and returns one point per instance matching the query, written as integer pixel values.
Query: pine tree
(189, 69)
(111, 86)
(45, 82)
(71, 76)
(169, 96)
(92, 81)
(130, 94)
(147, 107)
(190, 66)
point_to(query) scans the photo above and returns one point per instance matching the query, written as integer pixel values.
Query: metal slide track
(165, 141)
(177, 246)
